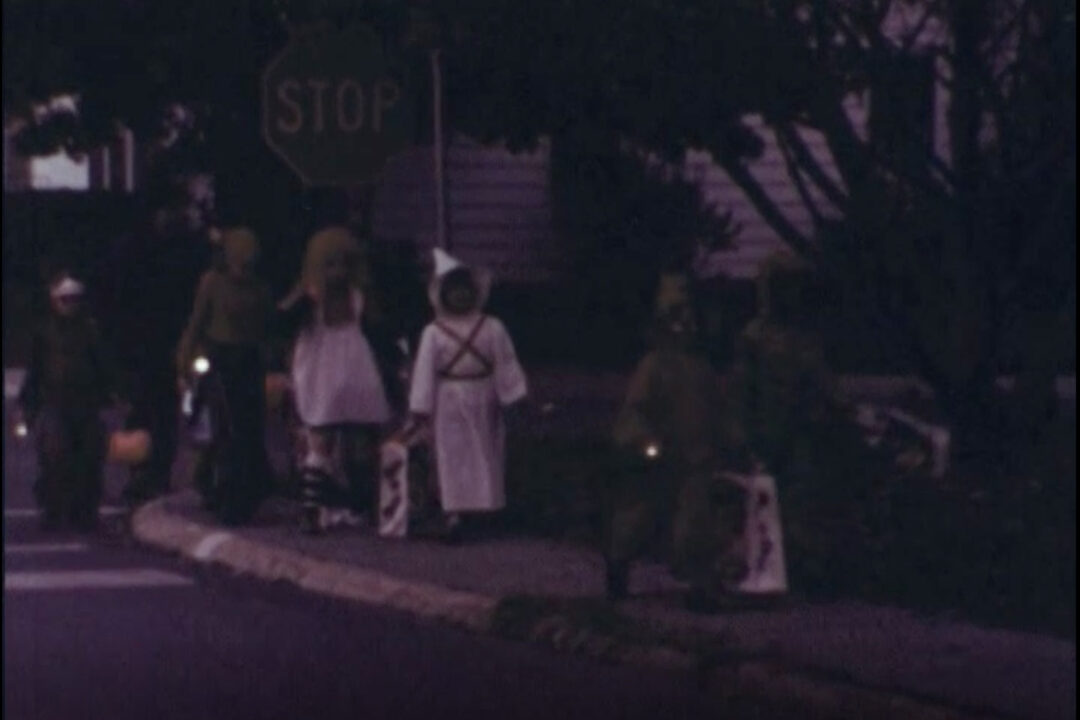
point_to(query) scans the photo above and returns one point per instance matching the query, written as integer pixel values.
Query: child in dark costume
(674, 432)
(68, 382)
(230, 323)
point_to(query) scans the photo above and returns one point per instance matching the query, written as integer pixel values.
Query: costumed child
(339, 386)
(466, 373)
(230, 323)
(68, 382)
(672, 434)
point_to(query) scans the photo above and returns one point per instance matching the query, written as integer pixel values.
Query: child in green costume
(230, 323)
(674, 432)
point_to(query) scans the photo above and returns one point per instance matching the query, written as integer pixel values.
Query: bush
(1006, 558)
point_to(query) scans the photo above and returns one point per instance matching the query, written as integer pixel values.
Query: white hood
(444, 265)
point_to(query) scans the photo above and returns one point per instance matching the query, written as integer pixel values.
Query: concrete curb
(153, 525)
(739, 677)
(811, 694)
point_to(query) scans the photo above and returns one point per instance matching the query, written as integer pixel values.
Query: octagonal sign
(333, 107)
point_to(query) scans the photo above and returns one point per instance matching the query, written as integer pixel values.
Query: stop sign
(334, 109)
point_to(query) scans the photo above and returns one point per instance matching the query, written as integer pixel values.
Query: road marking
(17, 513)
(91, 580)
(43, 548)
(209, 544)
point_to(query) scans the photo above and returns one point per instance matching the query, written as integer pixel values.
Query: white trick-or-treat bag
(404, 464)
(767, 571)
(763, 536)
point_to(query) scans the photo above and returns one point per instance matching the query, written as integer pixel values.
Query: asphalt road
(95, 627)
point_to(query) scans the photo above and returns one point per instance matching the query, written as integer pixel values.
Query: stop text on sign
(313, 105)
(334, 107)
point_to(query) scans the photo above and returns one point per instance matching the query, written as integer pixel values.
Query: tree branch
(802, 155)
(849, 152)
(795, 174)
(993, 45)
(767, 208)
(913, 35)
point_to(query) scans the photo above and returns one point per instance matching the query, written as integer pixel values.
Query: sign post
(334, 109)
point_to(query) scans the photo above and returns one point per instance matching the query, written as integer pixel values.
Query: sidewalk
(840, 660)
(844, 660)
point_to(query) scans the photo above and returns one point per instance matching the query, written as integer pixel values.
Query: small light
(652, 450)
(21, 430)
(201, 366)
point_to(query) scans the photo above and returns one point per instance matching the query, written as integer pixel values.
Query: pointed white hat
(66, 287)
(445, 263)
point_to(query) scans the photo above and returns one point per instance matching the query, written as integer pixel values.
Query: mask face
(459, 294)
(680, 323)
(242, 269)
(461, 299)
(336, 270)
(67, 305)
(241, 252)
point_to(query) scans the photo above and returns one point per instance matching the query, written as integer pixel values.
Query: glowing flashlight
(652, 451)
(21, 430)
(201, 366)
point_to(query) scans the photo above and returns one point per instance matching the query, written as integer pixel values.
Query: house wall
(498, 207)
(500, 216)
(109, 168)
(757, 240)
(499, 203)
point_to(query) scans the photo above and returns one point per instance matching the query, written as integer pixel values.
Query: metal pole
(441, 239)
(129, 160)
(106, 168)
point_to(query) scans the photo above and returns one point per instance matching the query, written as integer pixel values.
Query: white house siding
(756, 240)
(500, 213)
(498, 207)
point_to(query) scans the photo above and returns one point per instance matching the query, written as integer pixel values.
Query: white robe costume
(466, 371)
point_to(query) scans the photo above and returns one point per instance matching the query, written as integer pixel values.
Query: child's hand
(416, 423)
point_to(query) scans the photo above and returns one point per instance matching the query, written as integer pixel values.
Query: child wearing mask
(674, 432)
(230, 324)
(466, 373)
(67, 384)
(339, 387)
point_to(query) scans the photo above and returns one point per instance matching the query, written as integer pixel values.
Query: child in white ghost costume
(466, 372)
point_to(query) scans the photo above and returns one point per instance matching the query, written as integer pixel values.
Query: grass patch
(596, 628)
